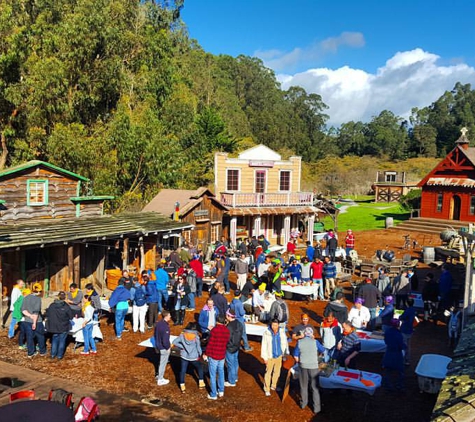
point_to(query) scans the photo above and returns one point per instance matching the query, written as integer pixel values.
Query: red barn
(448, 191)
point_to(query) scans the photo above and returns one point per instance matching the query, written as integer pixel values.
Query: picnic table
(105, 306)
(371, 342)
(78, 333)
(256, 329)
(350, 379)
(308, 291)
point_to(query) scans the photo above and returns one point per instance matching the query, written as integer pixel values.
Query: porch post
(286, 229)
(125, 254)
(310, 222)
(233, 231)
(70, 264)
(257, 226)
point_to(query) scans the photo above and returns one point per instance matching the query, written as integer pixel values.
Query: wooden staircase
(430, 225)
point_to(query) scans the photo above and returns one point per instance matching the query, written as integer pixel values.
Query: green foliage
(412, 200)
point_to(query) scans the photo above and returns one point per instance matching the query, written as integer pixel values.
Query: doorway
(455, 205)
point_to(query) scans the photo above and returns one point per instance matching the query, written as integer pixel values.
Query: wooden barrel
(112, 278)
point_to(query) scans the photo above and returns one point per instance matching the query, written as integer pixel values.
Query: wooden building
(390, 186)
(52, 233)
(448, 191)
(263, 196)
(199, 208)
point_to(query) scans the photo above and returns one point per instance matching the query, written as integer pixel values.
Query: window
(390, 176)
(215, 232)
(37, 192)
(284, 184)
(260, 181)
(232, 182)
(472, 205)
(440, 200)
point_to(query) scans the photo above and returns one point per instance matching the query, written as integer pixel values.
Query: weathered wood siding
(91, 209)
(13, 190)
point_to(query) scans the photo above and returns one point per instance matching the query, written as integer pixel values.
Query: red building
(448, 191)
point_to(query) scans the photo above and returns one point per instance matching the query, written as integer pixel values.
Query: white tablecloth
(255, 329)
(105, 306)
(370, 345)
(340, 379)
(301, 290)
(151, 341)
(77, 330)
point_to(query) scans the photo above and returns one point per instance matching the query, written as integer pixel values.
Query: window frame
(36, 182)
(440, 202)
(290, 180)
(472, 204)
(264, 172)
(238, 179)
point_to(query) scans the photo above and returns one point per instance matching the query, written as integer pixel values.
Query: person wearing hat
(298, 331)
(359, 315)
(387, 314)
(232, 348)
(393, 356)
(58, 323)
(274, 274)
(349, 241)
(306, 354)
(258, 300)
(237, 307)
(33, 321)
(279, 310)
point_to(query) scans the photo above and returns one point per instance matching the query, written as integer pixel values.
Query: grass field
(366, 215)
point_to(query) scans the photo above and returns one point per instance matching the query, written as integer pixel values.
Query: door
(260, 187)
(455, 205)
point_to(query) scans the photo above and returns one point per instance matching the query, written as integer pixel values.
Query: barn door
(455, 205)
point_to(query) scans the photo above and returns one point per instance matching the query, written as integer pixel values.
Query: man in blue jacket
(120, 300)
(207, 318)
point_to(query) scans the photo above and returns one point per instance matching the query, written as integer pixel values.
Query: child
(88, 325)
(454, 326)
(330, 332)
(190, 352)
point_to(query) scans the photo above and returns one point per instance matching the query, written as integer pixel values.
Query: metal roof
(451, 181)
(49, 232)
(35, 163)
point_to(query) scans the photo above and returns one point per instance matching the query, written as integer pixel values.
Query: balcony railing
(236, 200)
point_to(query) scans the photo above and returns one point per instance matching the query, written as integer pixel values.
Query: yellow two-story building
(263, 196)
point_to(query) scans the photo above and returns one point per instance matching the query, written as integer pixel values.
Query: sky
(362, 57)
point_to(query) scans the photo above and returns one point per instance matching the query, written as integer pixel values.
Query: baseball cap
(37, 287)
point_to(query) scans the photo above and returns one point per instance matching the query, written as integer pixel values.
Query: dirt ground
(128, 369)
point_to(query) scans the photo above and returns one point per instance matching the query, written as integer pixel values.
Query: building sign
(261, 163)
(201, 213)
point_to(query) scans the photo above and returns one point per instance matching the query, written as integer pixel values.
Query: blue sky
(351, 52)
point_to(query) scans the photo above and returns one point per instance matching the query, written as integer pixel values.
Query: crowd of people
(162, 296)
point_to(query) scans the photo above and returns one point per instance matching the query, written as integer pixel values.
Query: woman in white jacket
(274, 347)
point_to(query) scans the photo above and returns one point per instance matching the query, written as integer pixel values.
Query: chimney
(463, 141)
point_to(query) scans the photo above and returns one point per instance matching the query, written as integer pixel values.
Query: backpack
(87, 407)
(282, 312)
(61, 396)
(140, 298)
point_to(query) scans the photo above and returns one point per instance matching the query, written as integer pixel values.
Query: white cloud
(279, 60)
(408, 79)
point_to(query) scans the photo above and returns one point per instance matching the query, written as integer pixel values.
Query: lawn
(368, 216)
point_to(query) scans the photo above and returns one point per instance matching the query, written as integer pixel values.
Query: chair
(61, 396)
(24, 394)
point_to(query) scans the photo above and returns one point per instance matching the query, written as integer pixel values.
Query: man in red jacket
(215, 354)
(197, 266)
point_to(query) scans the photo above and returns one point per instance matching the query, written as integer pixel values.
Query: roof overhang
(451, 181)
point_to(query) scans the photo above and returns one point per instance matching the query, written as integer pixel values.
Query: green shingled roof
(50, 232)
(34, 163)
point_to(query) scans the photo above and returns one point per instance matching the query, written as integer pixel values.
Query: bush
(412, 200)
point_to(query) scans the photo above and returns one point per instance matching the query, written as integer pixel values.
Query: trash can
(428, 254)
(389, 222)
